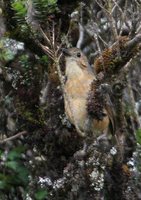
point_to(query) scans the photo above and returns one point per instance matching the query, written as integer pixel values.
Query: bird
(77, 86)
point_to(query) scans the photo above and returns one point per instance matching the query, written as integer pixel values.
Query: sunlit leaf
(138, 136)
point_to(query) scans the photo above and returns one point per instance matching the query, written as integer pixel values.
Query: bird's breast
(76, 100)
(78, 87)
(76, 95)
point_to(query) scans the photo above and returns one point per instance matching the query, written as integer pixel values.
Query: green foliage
(44, 8)
(31, 12)
(13, 171)
(15, 154)
(20, 10)
(6, 53)
(29, 115)
(138, 136)
(19, 6)
(23, 59)
(44, 60)
(41, 194)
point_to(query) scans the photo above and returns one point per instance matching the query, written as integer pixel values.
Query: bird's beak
(66, 52)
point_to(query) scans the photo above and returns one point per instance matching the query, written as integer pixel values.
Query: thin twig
(99, 50)
(44, 35)
(47, 51)
(66, 36)
(53, 36)
(123, 14)
(104, 42)
(132, 43)
(110, 18)
(13, 137)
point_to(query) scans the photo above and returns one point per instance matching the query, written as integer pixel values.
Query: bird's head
(76, 61)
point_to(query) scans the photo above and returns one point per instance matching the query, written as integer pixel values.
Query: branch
(132, 43)
(13, 137)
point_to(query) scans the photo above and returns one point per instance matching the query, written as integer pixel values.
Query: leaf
(40, 194)
(19, 7)
(12, 165)
(15, 153)
(52, 1)
(23, 174)
(44, 8)
(44, 59)
(138, 136)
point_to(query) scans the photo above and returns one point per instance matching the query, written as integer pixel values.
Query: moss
(115, 57)
(33, 116)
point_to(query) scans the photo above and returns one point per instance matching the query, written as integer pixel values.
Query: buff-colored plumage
(77, 88)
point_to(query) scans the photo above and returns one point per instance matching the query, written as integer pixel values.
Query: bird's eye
(78, 55)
